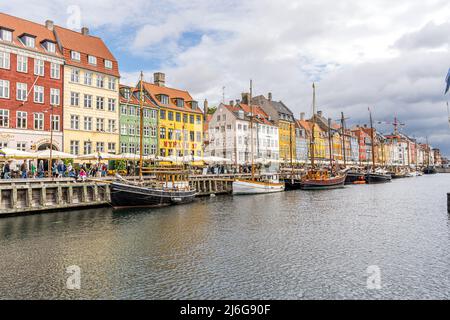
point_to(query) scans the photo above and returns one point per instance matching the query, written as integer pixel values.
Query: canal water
(340, 244)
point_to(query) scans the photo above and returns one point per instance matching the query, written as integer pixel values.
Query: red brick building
(31, 85)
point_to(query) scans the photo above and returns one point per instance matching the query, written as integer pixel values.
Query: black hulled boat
(373, 177)
(430, 170)
(354, 177)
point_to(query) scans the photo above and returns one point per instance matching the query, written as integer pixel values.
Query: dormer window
(126, 93)
(108, 64)
(194, 105)
(179, 103)
(28, 41)
(6, 35)
(164, 99)
(92, 60)
(50, 46)
(75, 56)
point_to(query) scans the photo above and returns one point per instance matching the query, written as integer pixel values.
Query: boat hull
(254, 187)
(354, 177)
(430, 170)
(292, 184)
(332, 183)
(125, 196)
(372, 178)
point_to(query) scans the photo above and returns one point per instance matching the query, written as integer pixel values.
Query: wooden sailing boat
(374, 176)
(169, 187)
(320, 179)
(254, 186)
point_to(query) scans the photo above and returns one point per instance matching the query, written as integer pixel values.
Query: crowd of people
(32, 169)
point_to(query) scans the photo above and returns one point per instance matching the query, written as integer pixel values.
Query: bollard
(448, 202)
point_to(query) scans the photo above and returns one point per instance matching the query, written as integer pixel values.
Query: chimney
(269, 96)
(302, 116)
(49, 25)
(319, 113)
(85, 31)
(245, 98)
(238, 101)
(205, 107)
(365, 126)
(159, 79)
(232, 103)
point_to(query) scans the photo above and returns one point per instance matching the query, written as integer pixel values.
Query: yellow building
(180, 123)
(91, 94)
(321, 149)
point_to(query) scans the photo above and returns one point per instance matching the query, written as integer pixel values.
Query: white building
(230, 135)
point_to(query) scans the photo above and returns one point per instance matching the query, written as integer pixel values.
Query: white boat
(247, 187)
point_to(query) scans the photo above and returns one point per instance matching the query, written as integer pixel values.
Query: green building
(129, 119)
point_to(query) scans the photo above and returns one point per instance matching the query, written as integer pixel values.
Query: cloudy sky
(390, 55)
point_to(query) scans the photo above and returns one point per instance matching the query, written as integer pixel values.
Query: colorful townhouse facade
(130, 119)
(284, 120)
(302, 140)
(91, 93)
(31, 85)
(180, 122)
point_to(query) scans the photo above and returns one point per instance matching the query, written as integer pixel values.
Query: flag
(447, 80)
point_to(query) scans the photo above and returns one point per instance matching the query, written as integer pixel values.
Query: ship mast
(251, 129)
(343, 139)
(141, 126)
(372, 133)
(313, 142)
(330, 145)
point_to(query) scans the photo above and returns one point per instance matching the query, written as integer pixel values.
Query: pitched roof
(133, 98)
(279, 106)
(21, 26)
(86, 45)
(155, 90)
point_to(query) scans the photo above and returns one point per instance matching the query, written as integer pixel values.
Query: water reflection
(283, 246)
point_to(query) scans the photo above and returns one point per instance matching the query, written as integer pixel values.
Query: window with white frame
(154, 113)
(55, 71)
(123, 129)
(131, 130)
(21, 91)
(28, 41)
(100, 124)
(74, 122)
(87, 147)
(88, 101)
(74, 147)
(100, 105)
(50, 46)
(4, 118)
(112, 84)
(88, 123)
(75, 75)
(123, 147)
(74, 99)
(92, 60)
(123, 109)
(55, 97)
(38, 94)
(112, 105)
(100, 147)
(111, 147)
(21, 146)
(146, 113)
(153, 149)
(146, 131)
(21, 120)
(6, 35)
(39, 121)
(108, 64)
(39, 67)
(132, 148)
(146, 149)
(5, 60)
(88, 78)
(75, 56)
(153, 132)
(3, 144)
(100, 81)
(111, 125)
(4, 89)
(22, 64)
(56, 123)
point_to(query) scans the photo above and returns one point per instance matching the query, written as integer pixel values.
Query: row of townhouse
(277, 135)
(60, 88)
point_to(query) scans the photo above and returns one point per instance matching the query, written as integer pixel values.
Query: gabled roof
(279, 106)
(87, 45)
(20, 27)
(134, 100)
(155, 90)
